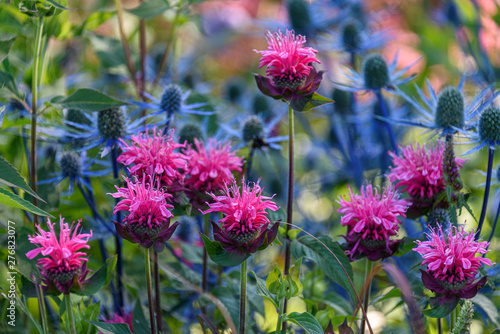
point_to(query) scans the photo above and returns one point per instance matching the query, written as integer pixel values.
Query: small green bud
(375, 72)
(450, 108)
(489, 125)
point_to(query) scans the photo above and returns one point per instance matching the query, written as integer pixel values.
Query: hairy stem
(289, 211)
(152, 312)
(204, 278)
(243, 296)
(41, 308)
(440, 326)
(34, 91)
(491, 154)
(69, 309)
(280, 323)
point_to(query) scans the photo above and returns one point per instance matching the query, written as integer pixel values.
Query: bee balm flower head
(147, 221)
(291, 75)
(452, 262)
(245, 223)
(63, 264)
(372, 219)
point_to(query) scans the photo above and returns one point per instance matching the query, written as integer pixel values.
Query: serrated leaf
(442, 310)
(12, 200)
(220, 256)
(149, 9)
(101, 278)
(308, 103)
(11, 177)
(305, 320)
(488, 306)
(109, 328)
(262, 290)
(5, 46)
(313, 249)
(88, 100)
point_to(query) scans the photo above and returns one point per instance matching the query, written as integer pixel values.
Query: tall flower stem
(280, 323)
(494, 226)
(491, 154)
(204, 275)
(34, 90)
(385, 114)
(142, 47)
(69, 309)
(366, 302)
(41, 308)
(440, 326)
(156, 273)
(118, 242)
(243, 296)
(152, 313)
(249, 162)
(289, 211)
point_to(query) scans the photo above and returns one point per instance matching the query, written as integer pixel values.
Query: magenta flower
(147, 221)
(371, 219)
(291, 76)
(419, 172)
(155, 156)
(209, 169)
(127, 318)
(64, 265)
(452, 262)
(245, 224)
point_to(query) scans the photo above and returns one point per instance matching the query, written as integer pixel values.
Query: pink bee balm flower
(245, 222)
(372, 219)
(209, 168)
(64, 264)
(148, 219)
(419, 172)
(127, 318)
(155, 156)
(289, 67)
(452, 262)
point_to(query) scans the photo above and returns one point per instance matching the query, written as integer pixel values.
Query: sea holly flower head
(419, 172)
(371, 219)
(64, 265)
(245, 226)
(291, 75)
(155, 156)
(147, 219)
(209, 168)
(453, 259)
(189, 132)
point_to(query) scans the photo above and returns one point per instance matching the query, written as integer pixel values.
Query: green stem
(69, 309)
(453, 319)
(34, 91)
(41, 308)
(151, 305)
(156, 273)
(368, 269)
(440, 326)
(289, 211)
(243, 296)
(281, 308)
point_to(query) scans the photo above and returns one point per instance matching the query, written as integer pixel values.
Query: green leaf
(11, 177)
(488, 306)
(140, 325)
(108, 328)
(305, 320)
(296, 286)
(101, 278)
(149, 9)
(55, 4)
(337, 303)
(8, 81)
(95, 19)
(262, 290)
(11, 199)
(309, 102)
(273, 279)
(28, 288)
(313, 249)
(88, 100)
(220, 256)
(5, 46)
(442, 310)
